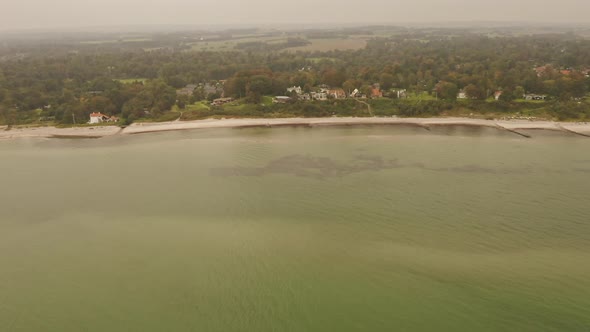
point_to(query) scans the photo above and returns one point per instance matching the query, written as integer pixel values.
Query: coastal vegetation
(45, 82)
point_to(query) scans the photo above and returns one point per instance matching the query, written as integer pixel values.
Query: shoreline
(54, 132)
(513, 126)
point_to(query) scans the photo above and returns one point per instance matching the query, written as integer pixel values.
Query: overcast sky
(17, 14)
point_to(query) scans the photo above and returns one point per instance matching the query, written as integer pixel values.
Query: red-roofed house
(337, 93)
(497, 95)
(376, 93)
(541, 70)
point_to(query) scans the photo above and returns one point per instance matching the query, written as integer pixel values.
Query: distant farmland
(324, 45)
(113, 41)
(230, 44)
(316, 44)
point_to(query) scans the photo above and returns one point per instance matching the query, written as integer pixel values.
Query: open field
(230, 44)
(325, 45)
(320, 45)
(112, 41)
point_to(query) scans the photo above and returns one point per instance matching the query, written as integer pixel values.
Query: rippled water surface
(297, 229)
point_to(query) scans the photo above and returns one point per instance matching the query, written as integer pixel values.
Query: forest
(60, 81)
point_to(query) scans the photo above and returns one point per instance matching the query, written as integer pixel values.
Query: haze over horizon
(40, 14)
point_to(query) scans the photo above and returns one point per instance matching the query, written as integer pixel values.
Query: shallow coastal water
(388, 228)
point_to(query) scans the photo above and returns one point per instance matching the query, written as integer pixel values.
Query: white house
(97, 118)
(533, 96)
(319, 96)
(401, 93)
(462, 95)
(297, 90)
(305, 96)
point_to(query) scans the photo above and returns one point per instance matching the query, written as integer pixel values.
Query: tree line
(66, 84)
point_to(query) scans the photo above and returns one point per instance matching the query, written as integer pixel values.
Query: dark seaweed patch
(324, 167)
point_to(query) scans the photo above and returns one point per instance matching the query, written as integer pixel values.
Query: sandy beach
(53, 132)
(582, 129)
(510, 125)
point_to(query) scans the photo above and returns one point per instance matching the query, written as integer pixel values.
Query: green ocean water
(297, 229)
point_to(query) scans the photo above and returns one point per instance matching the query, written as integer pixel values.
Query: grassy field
(316, 44)
(196, 111)
(420, 96)
(322, 59)
(325, 45)
(112, 41)
(530, 101)
(230, 44)
(199, 106)
(267, 100)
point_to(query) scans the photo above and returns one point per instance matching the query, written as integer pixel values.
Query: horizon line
(170, 26)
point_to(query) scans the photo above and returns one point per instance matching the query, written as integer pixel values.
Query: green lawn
(529, 101)
(267, 100)
(318, 60)
(236, 106)
(198, 106)
(197, 111)
(420, 96)
(131, 80)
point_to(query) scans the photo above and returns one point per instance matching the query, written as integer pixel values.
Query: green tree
(518, 92)
(8, 116)
(100, 104)
(447, 90)
(366, 90)
(386, 81)
(475, 92)
(349, 85)
(333, 77)
(260, 84)
(253, 97)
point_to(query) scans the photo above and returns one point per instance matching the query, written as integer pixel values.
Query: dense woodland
(62, 81)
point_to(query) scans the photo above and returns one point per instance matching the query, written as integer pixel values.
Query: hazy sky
(76, 13)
